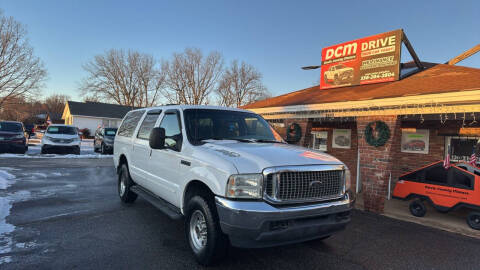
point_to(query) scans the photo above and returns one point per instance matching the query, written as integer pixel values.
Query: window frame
(136, 125)
(156, 112)
(178, 147)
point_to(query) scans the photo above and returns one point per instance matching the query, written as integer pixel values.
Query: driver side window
(173, 134)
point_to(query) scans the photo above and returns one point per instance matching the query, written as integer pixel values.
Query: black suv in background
(103, 141)
(13, 137)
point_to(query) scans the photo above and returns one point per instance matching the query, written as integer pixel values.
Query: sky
(277, 37)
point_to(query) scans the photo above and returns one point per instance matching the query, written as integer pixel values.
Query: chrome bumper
(259, 224)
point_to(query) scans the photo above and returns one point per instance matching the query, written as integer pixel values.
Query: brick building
(427, 113)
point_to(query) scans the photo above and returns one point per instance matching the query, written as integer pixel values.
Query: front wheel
(124, 184)
(473, 220)
(417, 208)
(204, 235)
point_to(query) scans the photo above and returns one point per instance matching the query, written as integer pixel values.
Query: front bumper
(60, 149)
(252, 224)
(12, 147)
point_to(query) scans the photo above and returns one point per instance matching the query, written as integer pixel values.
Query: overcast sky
(277, 37)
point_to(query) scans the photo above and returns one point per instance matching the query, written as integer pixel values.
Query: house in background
(92, 115)
(53, 118)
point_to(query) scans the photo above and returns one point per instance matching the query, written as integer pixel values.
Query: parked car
(103, 141)
(13, 138)
(338, 74)
(30, 129)
(224, 171)
(61, 139)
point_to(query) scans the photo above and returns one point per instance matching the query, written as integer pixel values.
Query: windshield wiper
(268, 141)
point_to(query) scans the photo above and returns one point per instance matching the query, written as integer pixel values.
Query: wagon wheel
(417, 208)
(473, 220)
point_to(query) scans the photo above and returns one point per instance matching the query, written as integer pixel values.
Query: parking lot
(64, 213)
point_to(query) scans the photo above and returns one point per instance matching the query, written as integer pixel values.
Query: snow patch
(71, 186)
(6, 179)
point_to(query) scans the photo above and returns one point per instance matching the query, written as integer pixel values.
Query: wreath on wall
(294, 133)
(377, 133)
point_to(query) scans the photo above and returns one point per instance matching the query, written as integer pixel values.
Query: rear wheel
(204, 235)
(417, 208)
(124, 184)
(473, 220)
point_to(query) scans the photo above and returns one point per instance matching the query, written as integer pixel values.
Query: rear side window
(147, 126)
(130, 123)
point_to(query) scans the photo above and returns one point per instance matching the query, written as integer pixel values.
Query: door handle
(184, 162)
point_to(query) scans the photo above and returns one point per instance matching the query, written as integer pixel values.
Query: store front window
(319, 140)
(461, 148)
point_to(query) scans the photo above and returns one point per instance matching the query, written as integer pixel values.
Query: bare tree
(56, 103)
(240, 85)
(21, 73)
(191, 77)
(131, 79)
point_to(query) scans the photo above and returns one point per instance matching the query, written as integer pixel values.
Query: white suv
(231, 176)
(61, 139)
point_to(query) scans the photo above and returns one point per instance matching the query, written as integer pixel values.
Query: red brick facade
(377, 163)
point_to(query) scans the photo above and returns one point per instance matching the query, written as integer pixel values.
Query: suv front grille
(61, 140)
(303, 186)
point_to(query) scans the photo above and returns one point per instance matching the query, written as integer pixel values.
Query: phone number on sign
(377, 75)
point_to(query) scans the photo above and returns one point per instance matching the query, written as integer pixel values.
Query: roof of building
(440, 78)
(97, 109)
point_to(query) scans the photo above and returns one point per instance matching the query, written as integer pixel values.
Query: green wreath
(383, 133)
(297, 133)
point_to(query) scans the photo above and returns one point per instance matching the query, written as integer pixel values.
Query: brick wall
(376, 163)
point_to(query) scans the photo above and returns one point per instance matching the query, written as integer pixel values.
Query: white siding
(87, 122)
(93, 123)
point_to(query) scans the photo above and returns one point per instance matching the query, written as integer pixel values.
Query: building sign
(342, 138)
(367, 60)
(415, 142)
(320, 139)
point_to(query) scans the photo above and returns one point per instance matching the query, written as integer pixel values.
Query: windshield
(11, 127)
(62, 130)
(204, 124)
(110, 131)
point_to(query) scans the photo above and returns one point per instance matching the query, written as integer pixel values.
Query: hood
(8, 134)
(254, 157)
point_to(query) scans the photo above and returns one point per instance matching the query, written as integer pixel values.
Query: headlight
(348, 180)
(245, 186)
(19, 136)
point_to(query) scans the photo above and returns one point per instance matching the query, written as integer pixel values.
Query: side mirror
(157, 138)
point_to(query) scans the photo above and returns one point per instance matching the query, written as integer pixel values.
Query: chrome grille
(298, 186)
(61, 140)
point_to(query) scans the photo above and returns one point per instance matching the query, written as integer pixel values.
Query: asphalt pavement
(65, 214)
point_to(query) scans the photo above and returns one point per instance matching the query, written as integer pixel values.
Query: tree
(131, 79)
(55, 103)
(240, 85)
(191, 77)
(21, 73)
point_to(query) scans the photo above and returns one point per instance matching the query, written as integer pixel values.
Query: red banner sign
(367, 60)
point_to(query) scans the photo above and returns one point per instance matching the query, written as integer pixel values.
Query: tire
(417, 208)
(102, 149)
(43, 151)
(214, 245)
(126, 195)
(76, 151)
(473, 220)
